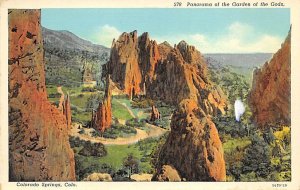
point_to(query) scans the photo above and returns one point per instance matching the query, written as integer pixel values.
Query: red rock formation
(193, 146)
(154, 114)
(177, 76)
(164, 49)
(139, 65)
(124, 64)
(148, 56)
(39, 149)
(67, 111)
(177, 79)
(270, 97)
(102, 118)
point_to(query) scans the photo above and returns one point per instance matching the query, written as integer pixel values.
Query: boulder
(167, 173)
(98, 177)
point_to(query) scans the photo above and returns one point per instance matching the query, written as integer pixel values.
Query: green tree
(131, 163)
(257, 158)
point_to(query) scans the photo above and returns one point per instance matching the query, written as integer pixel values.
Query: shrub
(93, 149)
(257, 157)
(89, 89)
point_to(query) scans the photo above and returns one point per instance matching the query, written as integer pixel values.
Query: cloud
(105, 35)
(237, 38)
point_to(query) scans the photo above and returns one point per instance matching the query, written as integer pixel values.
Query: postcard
(150, 95)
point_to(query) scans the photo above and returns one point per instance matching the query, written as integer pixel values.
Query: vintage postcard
(150, 95)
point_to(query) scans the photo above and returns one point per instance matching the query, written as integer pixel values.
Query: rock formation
(98, 177)
(67, 111)
(102, 118)
(39, 149)
(270, 97)
(167, 173)
(124, 64)
(140, 66)
(176, 76)
(87, 75)
(193, 147)
(154, 114)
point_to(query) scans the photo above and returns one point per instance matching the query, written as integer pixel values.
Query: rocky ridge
(142, 67)
(39, 149)
(71, 60)
(270, 96)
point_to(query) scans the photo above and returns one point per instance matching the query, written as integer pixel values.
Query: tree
(132, 164)
(257, 158)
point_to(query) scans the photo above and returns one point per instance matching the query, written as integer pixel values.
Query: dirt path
(154, 131)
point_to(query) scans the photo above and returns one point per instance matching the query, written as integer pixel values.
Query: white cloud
(237, 38)
(106, 34)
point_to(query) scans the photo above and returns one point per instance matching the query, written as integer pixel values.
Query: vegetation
(120, 111)
(142, 102)
(131, 163)
(118, 130)
(114, 162)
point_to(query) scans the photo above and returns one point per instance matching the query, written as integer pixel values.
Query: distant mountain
(69, 58)
(241, 60)
(240, 63)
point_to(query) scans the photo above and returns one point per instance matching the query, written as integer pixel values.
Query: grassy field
(120, 111)
(116, 154)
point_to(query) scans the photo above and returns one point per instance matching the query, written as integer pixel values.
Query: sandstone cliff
(270, 97)
(140, 66)
(124, 64)
(193, 147)
(102, 118)
(39, 149)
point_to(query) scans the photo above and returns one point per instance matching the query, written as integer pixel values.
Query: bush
(54, 95)
(257, 157)
(93, 149)
(142, 102)
(89, 89)
(118, 130)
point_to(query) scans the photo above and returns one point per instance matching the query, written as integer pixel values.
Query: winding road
(153, 131)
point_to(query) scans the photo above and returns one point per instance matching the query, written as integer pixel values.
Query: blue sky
(210, 30)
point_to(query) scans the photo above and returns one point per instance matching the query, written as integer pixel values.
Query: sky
(232, 30)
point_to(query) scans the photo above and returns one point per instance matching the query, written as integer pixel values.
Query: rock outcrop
(141, 67)
(102, 118)
(67, 111)
(270, 97)
(98, 177)
(183, 75)
(154, 114)
(39, 149)
(193, 147)
(124, 64)
(167, 173)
